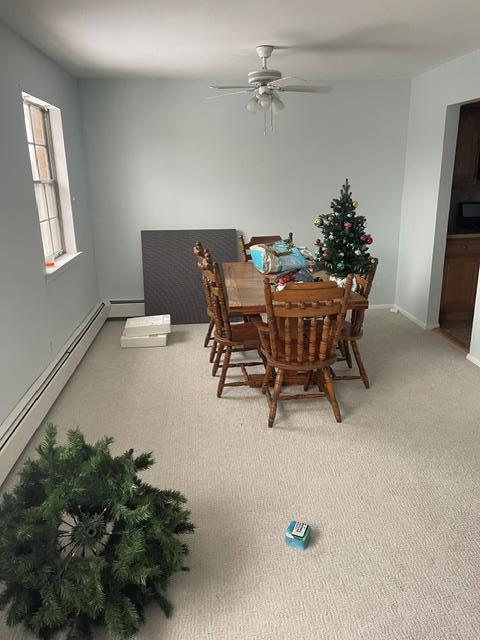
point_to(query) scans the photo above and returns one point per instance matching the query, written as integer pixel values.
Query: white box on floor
(159, 340)
(147, 325)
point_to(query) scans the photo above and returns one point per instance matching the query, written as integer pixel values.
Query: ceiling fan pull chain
(264, 123)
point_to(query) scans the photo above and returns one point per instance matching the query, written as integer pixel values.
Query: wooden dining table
(245, 289)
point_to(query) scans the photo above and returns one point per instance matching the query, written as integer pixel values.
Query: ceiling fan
(265, 85)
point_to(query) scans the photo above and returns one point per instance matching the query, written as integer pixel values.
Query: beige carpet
(392, 493)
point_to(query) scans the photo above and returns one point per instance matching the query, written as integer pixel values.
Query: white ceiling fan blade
(305, 88)
(277, 83)
(231, 93)
(229, 86)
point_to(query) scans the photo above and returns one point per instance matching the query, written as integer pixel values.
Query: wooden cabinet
(467, 155)
(460, 275)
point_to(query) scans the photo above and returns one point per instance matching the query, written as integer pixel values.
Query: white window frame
(60, 171)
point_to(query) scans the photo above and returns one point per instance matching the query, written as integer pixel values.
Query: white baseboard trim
(380, 306)
(20, 425)
(126, 308)
(473, 359)
(410, 316)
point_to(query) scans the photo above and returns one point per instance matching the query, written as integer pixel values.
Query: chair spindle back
(364, 286)
(218, 299)
(203, 258)
(312, 316)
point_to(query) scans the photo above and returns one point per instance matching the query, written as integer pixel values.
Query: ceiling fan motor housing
(263, 76)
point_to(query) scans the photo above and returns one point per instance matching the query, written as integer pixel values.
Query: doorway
(462, 254)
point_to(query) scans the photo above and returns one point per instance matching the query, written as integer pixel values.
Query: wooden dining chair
(204, 259)
(305, 321)
(228, 336)
(245, 246)
(201, 255)
(353, 330)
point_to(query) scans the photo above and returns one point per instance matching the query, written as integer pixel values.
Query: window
(40, 148)
(46, 150)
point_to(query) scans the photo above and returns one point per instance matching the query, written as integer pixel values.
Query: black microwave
(468, 216)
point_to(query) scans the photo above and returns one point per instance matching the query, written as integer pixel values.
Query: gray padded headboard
(171, 278)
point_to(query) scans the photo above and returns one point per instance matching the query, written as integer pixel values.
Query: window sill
(61, 264)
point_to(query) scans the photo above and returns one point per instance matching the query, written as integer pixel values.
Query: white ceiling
(215, 39)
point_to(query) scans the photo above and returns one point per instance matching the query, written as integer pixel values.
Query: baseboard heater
(24, 420)
(126, 308)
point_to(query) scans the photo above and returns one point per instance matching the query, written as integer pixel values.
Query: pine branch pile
(84, 542)
(344, 248)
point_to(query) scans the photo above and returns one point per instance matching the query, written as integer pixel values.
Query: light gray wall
(36, 316)
(474, 354)
(433, 123)
(160, 156)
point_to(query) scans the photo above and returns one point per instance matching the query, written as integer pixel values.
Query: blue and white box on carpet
(298, 534)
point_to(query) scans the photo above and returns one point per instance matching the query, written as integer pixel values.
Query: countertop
(462, 236)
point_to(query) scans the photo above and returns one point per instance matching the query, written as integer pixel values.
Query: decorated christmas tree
(344, 248)
(84, 542)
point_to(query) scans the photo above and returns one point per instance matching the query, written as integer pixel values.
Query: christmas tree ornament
(354, 204)
(318, 222)
(85, 543)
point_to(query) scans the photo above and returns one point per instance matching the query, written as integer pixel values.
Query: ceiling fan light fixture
(252, 105)
(277, 104)
(264, 102)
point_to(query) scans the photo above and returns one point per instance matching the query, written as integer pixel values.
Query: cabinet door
(460, 276)
(467, 153)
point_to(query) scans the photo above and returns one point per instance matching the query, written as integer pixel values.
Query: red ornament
(318, 241)
(369, 240)
(332, 205)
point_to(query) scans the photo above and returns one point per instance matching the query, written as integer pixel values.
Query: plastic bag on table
(277, 256)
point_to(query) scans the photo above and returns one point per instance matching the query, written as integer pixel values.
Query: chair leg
(264, 360)
(341, 348)
(327, 376)
(216, 364)
(266, 378)
(309, 381)
(226, 362)
(209, 333)
(213, 351)
(276, 392)
(361, 368)
(348, 355)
